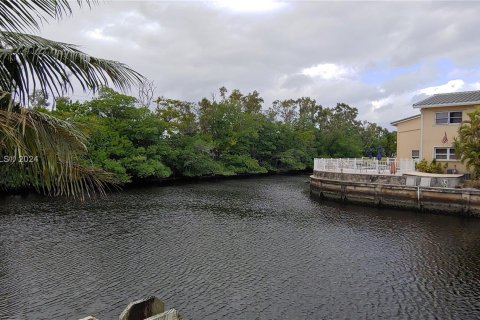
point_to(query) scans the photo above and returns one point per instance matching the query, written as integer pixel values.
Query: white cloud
(450, 86)
(377, 104)
(329, 71)
(398, 105)
(98, 34)
(191, 48)
(249, 6)
(389, 108)
(151, 26)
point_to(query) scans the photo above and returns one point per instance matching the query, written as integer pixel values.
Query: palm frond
(29, 62)
(23, 15)
(467, 144)
(52, 149)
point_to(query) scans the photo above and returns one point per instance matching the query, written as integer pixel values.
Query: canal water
(237, 249)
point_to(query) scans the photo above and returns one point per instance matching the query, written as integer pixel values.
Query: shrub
(432, 167)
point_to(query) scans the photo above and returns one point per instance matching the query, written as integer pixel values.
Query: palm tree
(467, 144)
(37, 149)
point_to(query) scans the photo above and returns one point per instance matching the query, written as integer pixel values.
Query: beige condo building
(430, 134)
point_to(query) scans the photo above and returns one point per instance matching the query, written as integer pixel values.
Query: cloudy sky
(377, 56)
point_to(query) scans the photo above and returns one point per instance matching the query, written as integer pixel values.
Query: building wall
(433, 133)
(408, 138)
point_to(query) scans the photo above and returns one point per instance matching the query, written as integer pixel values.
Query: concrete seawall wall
(391, 191)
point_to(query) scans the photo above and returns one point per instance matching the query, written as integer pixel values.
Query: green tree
(467, 144)
(38, 100)
(374, 136)
(340, 133)
(29, 63)
(179, 115)
(124, 139)
(216, 137)
(286, 110)
(309, 112)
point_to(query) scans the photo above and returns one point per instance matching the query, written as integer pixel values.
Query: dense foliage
(467, 144)
(230, 135)
(432, 167)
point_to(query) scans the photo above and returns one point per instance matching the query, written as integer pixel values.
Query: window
(456, 117)
(445, 154)
(448, 117)
(415, 154)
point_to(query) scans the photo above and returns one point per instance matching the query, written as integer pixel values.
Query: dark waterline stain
(235, 249)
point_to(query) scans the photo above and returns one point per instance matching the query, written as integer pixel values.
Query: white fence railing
(365, 165)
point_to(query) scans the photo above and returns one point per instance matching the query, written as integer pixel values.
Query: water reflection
(238, 249)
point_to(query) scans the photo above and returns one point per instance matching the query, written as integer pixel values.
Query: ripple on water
(238, 249)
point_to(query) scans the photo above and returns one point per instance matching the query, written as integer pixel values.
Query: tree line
(229, 134)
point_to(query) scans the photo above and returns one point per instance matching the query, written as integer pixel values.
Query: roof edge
(394, 123)
(455, 104)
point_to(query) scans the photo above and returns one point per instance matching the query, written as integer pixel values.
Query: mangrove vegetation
(229, 134)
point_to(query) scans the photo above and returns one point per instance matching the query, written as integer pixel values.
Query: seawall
(391, 191)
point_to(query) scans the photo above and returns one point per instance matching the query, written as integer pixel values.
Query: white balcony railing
(365, 165)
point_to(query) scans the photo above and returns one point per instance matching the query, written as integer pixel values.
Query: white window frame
(449, 118)
(416, 157)
(451, 156)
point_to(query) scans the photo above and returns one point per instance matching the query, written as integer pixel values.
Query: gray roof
(394, 123)
(448, 99)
